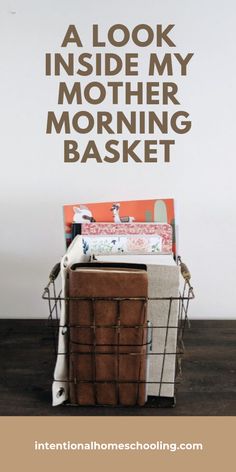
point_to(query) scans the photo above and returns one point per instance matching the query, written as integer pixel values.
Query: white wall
(35, 182)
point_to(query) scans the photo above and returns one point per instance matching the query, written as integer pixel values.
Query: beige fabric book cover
(163, 281)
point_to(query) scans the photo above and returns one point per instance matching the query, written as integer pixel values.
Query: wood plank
(208, 384)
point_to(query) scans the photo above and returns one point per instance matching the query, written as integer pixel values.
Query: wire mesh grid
(117, 351)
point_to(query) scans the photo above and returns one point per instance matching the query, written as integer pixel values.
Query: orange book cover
(155, 210)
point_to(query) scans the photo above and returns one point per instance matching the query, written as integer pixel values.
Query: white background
(35, 182)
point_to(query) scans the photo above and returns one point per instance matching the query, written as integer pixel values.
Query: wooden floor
(208, 385)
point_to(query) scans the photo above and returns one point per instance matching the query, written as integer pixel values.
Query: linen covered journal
(163, 282)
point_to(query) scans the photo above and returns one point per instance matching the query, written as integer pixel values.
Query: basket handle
(54, 272)
(185, 271)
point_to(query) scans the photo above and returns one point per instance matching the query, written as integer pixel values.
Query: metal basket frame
(186, 293)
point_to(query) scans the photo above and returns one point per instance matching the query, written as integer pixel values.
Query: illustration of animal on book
(116, 214)
(82, 214)
(134, 211)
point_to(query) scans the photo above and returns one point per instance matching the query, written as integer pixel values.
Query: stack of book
(122, 348)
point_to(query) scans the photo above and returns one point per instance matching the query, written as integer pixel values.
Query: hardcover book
(107, 351)
(138, 211)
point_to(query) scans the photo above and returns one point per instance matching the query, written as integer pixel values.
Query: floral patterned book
(140, 244)
(131, 237)
(133, 211)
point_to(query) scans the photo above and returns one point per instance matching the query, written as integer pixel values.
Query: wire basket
(123, 352)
